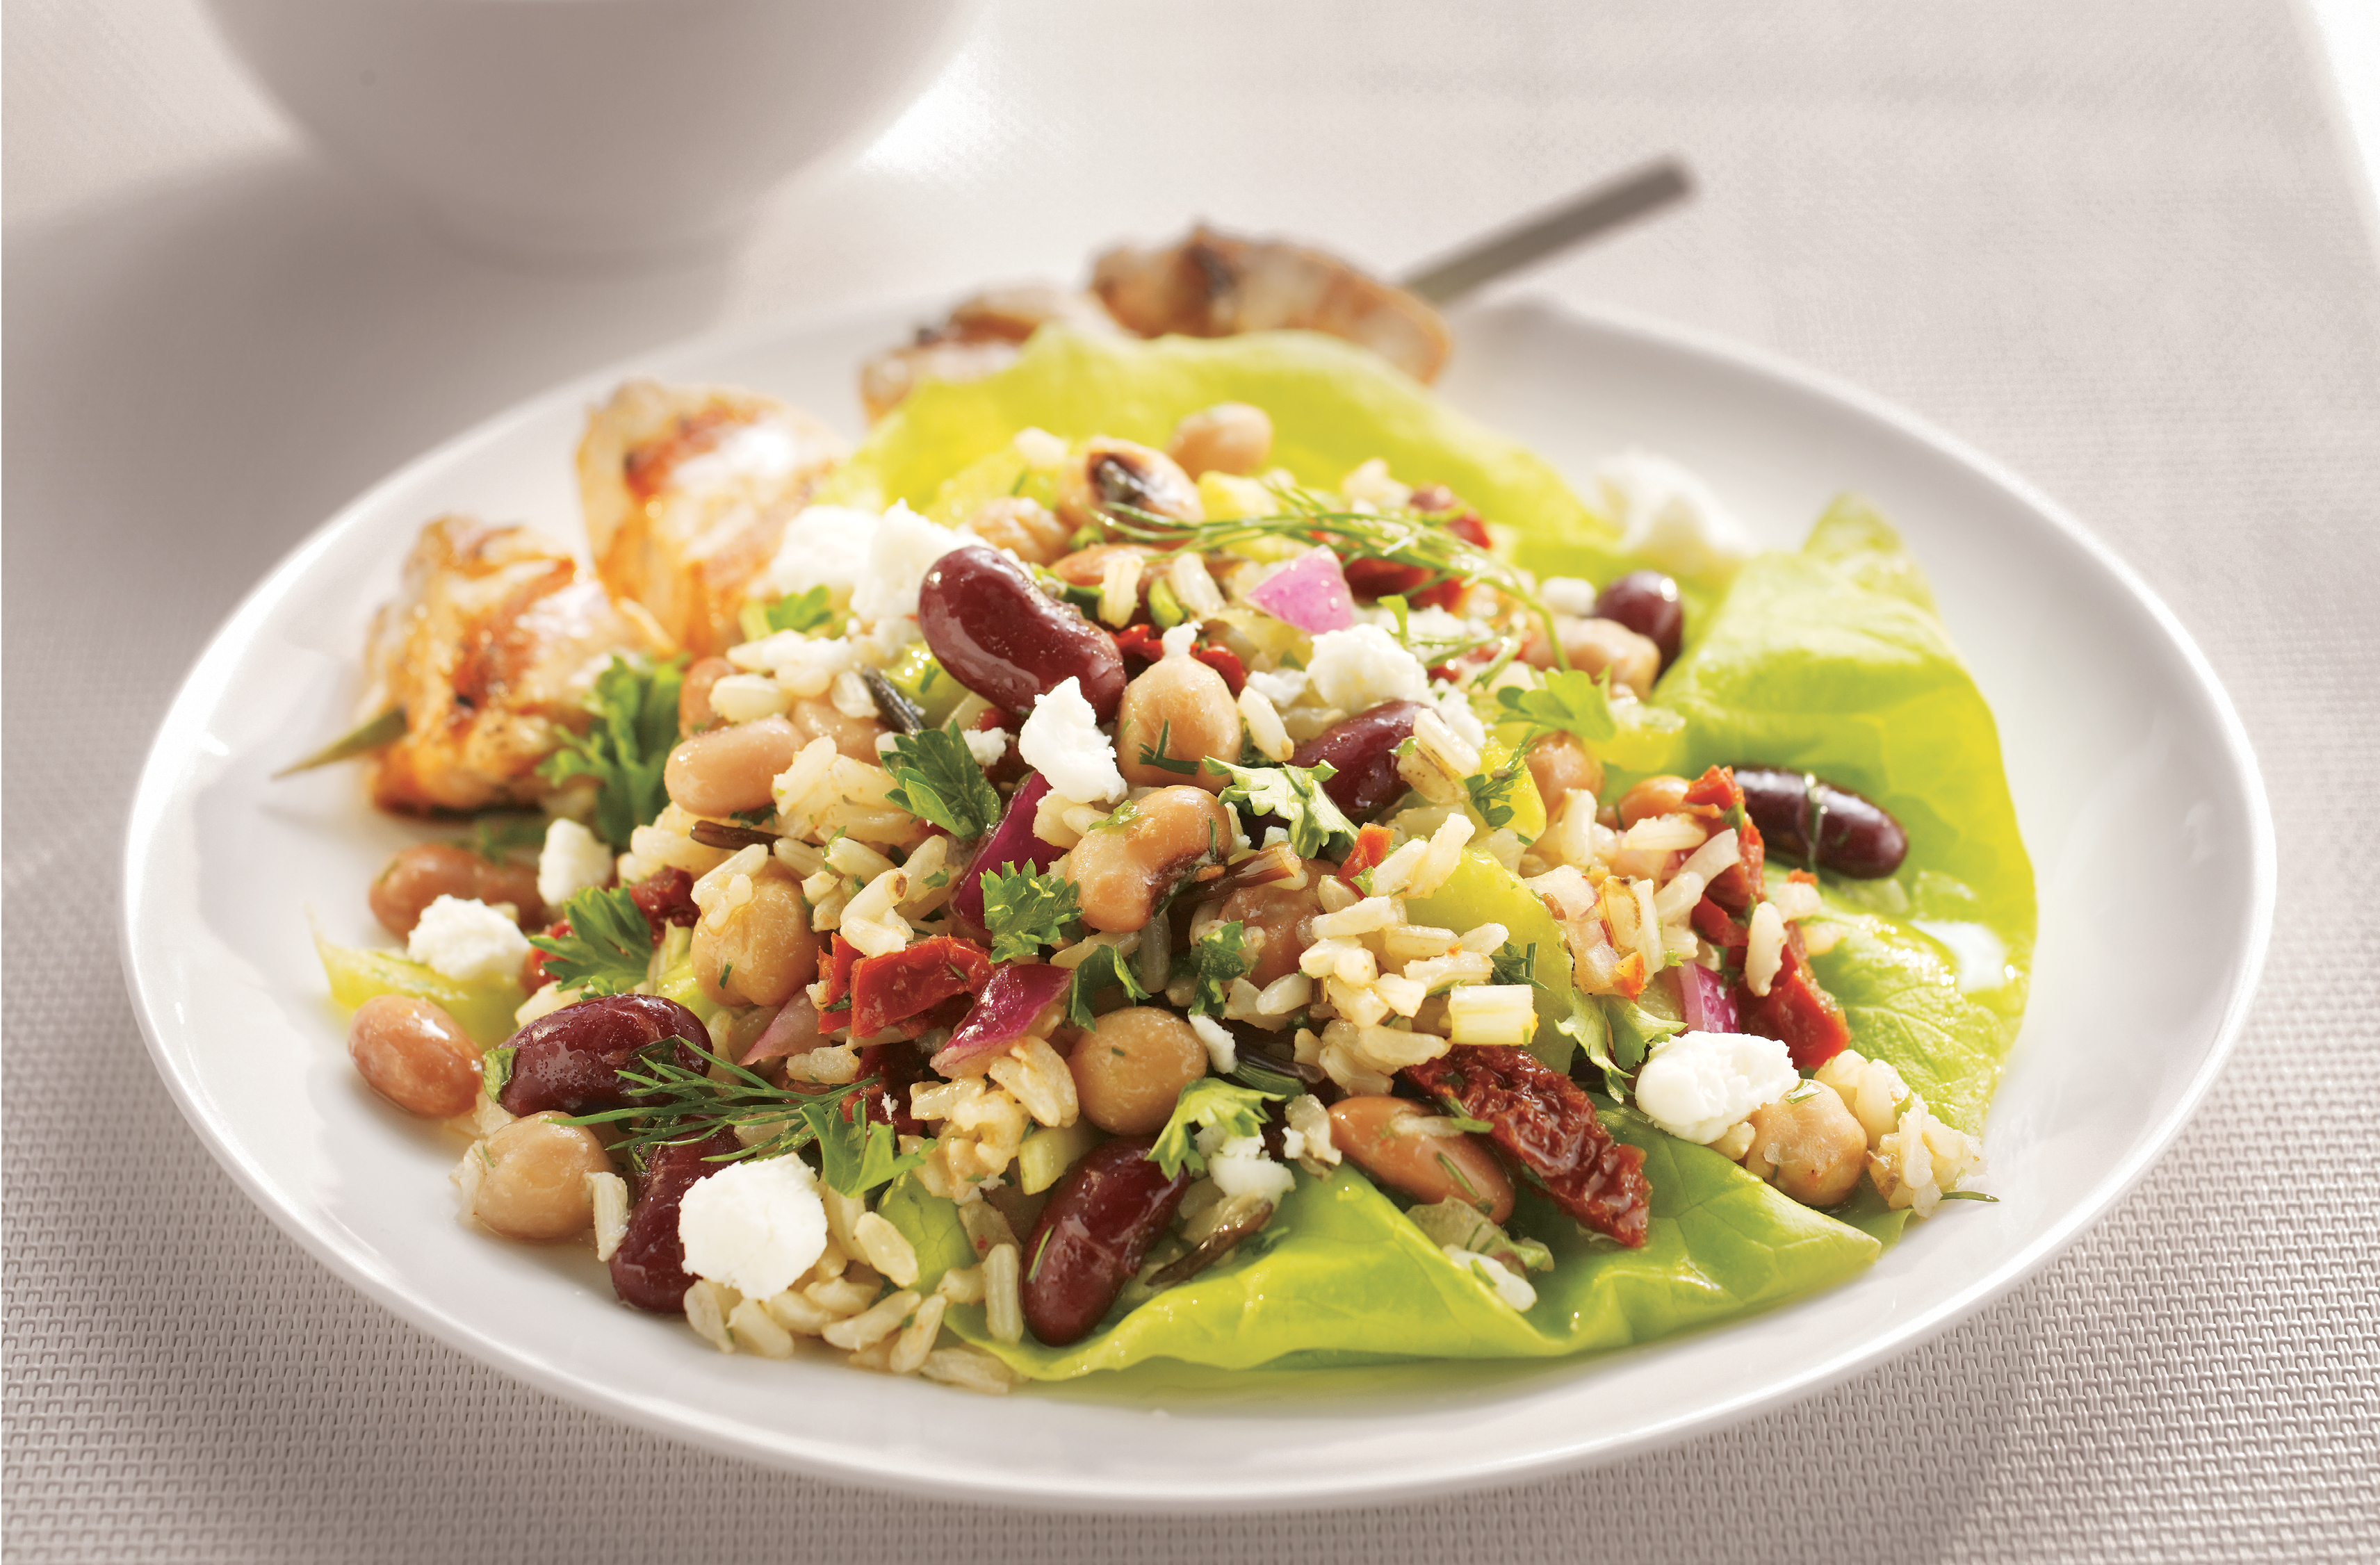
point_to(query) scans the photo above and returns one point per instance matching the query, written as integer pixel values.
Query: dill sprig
(1396, 537)
(689, 1105)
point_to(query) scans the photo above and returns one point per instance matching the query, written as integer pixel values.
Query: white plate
(2134, 784)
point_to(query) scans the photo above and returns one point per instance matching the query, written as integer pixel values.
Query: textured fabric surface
(2113, 244)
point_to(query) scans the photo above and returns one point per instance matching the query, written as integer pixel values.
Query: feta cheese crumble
(1281, 686)
(1698, 1084)
(824, 546)
(755, 1226)
(905, 547)
(1239, 1166)
(1179, 641)
(1060, 739)
(467, 941)
(1362, 666)
(1568, 595)
(572, 860)
(1509, 1285)
(985, 744)
(1670, 516)
(1221, 1049)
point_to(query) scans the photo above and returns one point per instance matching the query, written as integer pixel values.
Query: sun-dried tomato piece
(1140, 643)
(1371, 847)
(1738, 886)
(1712, 924)
(1797, 1011)
(893, 1066)
(1226, 661)
(666, 898)
(1544, 1125)
(885, 989)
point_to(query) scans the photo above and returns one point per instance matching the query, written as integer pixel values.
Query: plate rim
(161, 762)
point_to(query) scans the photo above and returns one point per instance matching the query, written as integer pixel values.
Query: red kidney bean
(1093, 1235)
(1002, 637)
(1647, 602)
(648, 1268)
(570, 1059)
(1363, 749)
(1855, 837)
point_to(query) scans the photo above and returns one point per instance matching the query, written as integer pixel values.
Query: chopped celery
(917, 675)
(483, 1010)
(1047, 1153)
(679, 984)
(1483, 892)
(931, 1224)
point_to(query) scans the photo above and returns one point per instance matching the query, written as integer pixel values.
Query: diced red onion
(1017, 993)
(793, 1030)
(1011, 843)
(1703, 999)
(1310, 592)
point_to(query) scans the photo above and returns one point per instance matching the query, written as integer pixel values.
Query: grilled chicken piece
(490, 648)
(688, 490)
(1215, 285)
(982, 335)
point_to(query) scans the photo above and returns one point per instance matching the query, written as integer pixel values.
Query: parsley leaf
(1209, 1102)
(634, 703)
(1293, 795)
(1218, 957)
(1580, 703)
(1514, 964)
(500, 839)
(1491, 795)
(1026, 910)
(855, 1157)
(939, 780)
(803, 611)
(1104, 968)
(608, 949)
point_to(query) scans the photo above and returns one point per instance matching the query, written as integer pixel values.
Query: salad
(1182, 849)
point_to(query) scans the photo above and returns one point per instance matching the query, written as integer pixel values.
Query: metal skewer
(1591, 211)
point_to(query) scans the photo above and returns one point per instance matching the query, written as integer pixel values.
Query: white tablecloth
(2113, 244)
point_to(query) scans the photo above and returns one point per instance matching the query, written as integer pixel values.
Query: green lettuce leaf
(1829, 659)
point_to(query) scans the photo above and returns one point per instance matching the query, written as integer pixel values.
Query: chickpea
(1120, 871)
(1178, 710)
(1387, 1138)
(1088, 568)
(1118, 472)
(415, 877)
(854, 736)
(1029, 528)
(1230, 437)
(1131, 1066)
(728, 770)
(765, 950)
(1594, 646)
(1815, 1150)
(1658, 794)
(533, 1184)
(1558, 763)
(414, 1054)
(694, 708)
(1284, 916)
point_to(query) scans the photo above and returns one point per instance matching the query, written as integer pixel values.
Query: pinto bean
(1558, 763)
(1815, 1148)
(570, 1059)
(1856, 837)
(1363, 749)
(415, 877)
(1386, 1137)
(765, 950)
(727, 770)
(1091, 1238)
(533, 1182)
(1002, 637)
(1178, 710)
(1661, 794)
(1118, 472)
(1286, 916)
(1122, 871)
(1130, 1067)
(1026, 525)
(414, 1054)
(852, 736)
(694, 708)
(1231, 437)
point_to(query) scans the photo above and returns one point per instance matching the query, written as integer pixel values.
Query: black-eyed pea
(1231, 437)
(1120, 871)
(1558, 763)
(1811, 1145)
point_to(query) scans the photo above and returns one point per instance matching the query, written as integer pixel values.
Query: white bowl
(588, 127)
(2134, 784)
